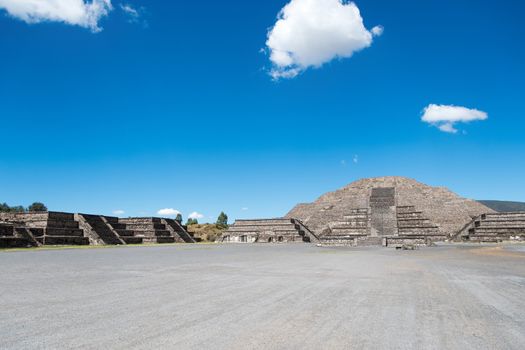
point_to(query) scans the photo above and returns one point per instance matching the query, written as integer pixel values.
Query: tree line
(222, 220)
(36, 206)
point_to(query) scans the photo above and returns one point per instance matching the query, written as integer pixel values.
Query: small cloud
(195, 215)
(310, 33)
(168, 212)
(134, 15)
(343, 162)
(119, 212)
(445, 117)
(86, 14)
(244, 209)
(355, 159)
(378, 30)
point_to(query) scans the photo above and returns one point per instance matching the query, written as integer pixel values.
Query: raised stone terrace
(12, 235)
(495, 227)
(55, 228)
(268, 231)
(151, 230)
(50, 228)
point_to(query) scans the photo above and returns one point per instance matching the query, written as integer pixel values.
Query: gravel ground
(263, 297)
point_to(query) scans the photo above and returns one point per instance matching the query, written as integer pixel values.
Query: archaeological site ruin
(55, 228)
(388, 211)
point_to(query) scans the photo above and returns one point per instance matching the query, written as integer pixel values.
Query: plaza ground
(263, 297)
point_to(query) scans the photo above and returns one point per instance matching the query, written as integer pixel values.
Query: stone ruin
(56, 228)
(389, 211)
(269, 231)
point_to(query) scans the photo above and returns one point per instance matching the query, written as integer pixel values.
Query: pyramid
(388, 206)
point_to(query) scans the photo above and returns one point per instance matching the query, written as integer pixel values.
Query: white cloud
(244, 208)
(355, 159)
(195, 215)
(134, 15)
(309, 33)
(168, 212)
(74, 12)
(118, 212)
(445, 117)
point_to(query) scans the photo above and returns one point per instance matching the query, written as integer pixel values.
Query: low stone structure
(12, 235)
(50, 228)
(268, 231)
(56, 228)
(494, 227)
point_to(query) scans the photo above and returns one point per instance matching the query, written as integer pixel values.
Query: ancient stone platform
(494, 227)
(268, 231)
(57, 228)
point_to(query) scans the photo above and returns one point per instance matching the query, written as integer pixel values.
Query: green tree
(222, 220)
(192, 222)
(4, 208)
(37, 206)
(179, 218)
(17, 209)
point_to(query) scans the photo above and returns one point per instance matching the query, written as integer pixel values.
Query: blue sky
(176, 108)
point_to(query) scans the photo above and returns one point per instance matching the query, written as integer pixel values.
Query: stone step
(347, 231)
(484, 239)
(418, 230)
(51, 231)
(503, 215)
(162, 240)
(405, 209)
(412, 215)
(152, 233)
(7, 230)
(132, 239)
(413, 223)
(145, 226)
(63, 240)
(348, 218)
(140, 220)
(349, 224)
(14, 242)
(496, 223)
(117, 226)
(62, 224)
(359, 211)
(262, 221)
(159, 240)
(369, 241)
(126, 233)
(497, 230)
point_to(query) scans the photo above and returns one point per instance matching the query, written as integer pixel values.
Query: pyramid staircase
(178, 231)
(353, 230)
(494, 227)
(106, 230)
(414, 228)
